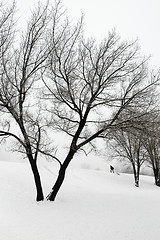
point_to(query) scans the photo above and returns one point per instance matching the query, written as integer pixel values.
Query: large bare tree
(89, 85)
(21, 65)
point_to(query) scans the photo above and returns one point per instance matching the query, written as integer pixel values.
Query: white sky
(131, 18)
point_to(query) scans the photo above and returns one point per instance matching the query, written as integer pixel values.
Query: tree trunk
(137, 181)
(40, 196)
(61, 176)
(136, 175)
(156, 176)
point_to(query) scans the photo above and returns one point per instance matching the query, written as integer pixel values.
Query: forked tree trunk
(61, 176)
(39, 190)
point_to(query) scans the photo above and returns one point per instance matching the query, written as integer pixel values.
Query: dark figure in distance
(111, 169)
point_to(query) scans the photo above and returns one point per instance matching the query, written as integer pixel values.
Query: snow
(91, 205)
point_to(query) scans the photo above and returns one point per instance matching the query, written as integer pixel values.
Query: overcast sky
(131, 18)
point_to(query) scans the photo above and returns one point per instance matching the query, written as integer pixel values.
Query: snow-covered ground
(92, 205)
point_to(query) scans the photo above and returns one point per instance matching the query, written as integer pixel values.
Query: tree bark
(61, 176)
(37, 179)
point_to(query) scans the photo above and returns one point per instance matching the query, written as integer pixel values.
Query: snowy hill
(92, 205)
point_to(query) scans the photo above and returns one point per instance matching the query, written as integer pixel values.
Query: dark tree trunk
(57, 184)
(157, 176)
(61, 176)
(136, 174)
(137, 181)
(40, 196)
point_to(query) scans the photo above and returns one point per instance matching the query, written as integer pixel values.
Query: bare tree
(129, 145)
(21, 65)
(151, 142)
(6, 24)
(89, 85)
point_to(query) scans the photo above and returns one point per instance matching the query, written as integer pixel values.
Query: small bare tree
(129, 145)
(21, 65)
(151, 142)
(89, 85)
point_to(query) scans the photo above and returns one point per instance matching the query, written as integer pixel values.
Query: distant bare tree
(129, 146)
(89, 85)
(21, 64)
(151, 142)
